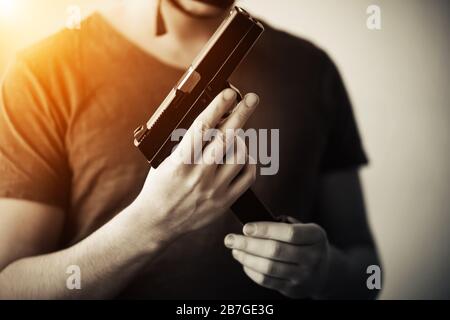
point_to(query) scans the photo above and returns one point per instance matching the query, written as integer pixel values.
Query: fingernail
(251, 100)
(235, 254)
(249, 229)
(229, 240)
(229, 94)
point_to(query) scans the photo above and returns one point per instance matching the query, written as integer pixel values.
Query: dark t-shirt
(68, 109)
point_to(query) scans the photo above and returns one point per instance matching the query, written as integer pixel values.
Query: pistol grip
(248, 208)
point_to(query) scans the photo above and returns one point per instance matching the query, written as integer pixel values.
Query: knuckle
(209, 155)
(270, 268)
(210, 195)
(225, 200)
(178, 170)
(221, 201)
(193, 181)
(229, 142)
(241, 115)
(243, 243)
(202, 126)
(222, 139)
(298, 278)
(295, 282)
(262, 229)
(214, 135)
(290, 233)
(275, 249)
(177, 159)
(174, 167)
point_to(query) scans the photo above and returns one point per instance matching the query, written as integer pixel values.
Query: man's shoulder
(285, 39)
(54, 67)
(285, 47)
(61, 50)
(53, 48)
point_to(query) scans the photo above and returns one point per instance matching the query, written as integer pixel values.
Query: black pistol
(205, 79)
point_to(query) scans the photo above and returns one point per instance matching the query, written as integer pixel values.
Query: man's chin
(204, 8)
(217, 3)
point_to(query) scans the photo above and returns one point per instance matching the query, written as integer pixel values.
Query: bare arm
(107, 259)
(342, 214)
(177, 198)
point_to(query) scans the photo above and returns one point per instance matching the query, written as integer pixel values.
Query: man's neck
(185, 35)
(185, 27)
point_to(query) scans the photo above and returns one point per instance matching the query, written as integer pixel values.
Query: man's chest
(108, 170)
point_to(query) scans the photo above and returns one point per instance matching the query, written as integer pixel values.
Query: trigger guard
(230, 86)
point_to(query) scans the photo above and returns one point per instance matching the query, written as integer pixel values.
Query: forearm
(108, 259)
(347, 275)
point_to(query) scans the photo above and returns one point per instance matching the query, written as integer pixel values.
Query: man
(75, 191)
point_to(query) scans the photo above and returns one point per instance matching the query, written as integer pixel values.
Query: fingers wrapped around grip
(210, 134)
(183, 195)
(212, 157)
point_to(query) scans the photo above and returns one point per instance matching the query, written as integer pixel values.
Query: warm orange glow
(7, 8)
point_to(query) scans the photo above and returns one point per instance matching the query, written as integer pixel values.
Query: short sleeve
(343, 147)
(33, 164)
